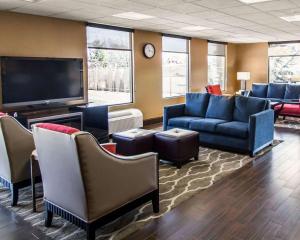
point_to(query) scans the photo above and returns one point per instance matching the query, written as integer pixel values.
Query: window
(175, 58)
(109, 65)
(217, 64)
(284, 62)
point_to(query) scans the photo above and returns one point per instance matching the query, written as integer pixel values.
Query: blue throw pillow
(220, 107)
(259, 90)
(196, 104)
(247, 106)
(292, 91)
(276, 90)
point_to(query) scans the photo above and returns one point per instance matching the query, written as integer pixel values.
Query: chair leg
(90, 232)
(179, 164)
(14, 195)
(48, 218)
(155, 201)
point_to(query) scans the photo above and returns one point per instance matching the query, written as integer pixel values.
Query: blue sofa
(276, 92)
(239, 123)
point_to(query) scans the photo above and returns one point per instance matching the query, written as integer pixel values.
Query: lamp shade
(243, 76)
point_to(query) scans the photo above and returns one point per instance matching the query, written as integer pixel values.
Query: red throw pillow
(58, 128)
(110, 147)
(214, 89)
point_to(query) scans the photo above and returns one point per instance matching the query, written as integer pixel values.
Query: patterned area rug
(289, 122)
(176, 185)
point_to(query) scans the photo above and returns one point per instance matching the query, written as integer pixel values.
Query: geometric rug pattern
(288, 122)
(176, 185)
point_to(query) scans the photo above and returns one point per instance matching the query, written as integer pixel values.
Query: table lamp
(243, 77)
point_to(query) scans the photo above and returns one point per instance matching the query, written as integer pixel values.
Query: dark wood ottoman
(134, 141)
(177, 145)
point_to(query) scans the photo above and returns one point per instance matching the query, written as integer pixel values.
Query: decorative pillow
(276, 90)
(220, 107)
(259, 90)
(214, 89)
(196, 104)
(2, 114)
(292, 91)
(247, 106)
(58, 128)
(110, 147)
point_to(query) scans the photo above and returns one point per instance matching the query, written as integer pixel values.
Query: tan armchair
(16, 146)
(86, 184)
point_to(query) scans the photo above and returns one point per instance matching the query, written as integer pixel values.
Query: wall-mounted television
(28, 81)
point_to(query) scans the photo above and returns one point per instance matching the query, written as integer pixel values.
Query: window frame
(131, 49)
(188, 45)
(280, 42)
(225, 62)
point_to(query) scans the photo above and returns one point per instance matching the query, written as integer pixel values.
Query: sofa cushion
(292, 91)
(205, 124)
(196, 104)
(181, 122)
(234, 128)
(220, 107)
(276, 90)
(259, 90)
(246, 106)
(58, 128)
(274, 99)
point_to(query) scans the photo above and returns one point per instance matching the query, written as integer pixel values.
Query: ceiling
(228, 20)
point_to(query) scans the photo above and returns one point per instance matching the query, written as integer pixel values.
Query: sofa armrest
(261, 130)
(171, 112)
(246, 93)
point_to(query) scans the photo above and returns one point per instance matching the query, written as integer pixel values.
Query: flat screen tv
(32, 81)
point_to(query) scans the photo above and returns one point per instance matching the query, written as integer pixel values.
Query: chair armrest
(137, 157)
(111, 180)
(171, 112)
(261, 129)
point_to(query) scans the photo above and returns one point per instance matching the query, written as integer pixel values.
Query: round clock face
(149, 50)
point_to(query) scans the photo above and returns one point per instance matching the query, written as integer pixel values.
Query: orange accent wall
(35, 36)
(253, 58)
(232, 84)
(198, 57)
(28, 35)
(148, 77)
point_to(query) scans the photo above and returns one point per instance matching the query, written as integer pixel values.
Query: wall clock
(149, 50)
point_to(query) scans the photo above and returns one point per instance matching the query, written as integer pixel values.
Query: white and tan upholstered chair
(86, 184)
(16, 146)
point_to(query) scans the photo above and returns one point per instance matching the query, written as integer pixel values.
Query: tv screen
(29, 81)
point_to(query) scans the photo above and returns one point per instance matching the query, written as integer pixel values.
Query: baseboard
(153, 121)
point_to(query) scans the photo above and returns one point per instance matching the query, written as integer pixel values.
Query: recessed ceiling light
(195, 28)
(133, 16)
(294, 18)
(32, 1)
(254, 1)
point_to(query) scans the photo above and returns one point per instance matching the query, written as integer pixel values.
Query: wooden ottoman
(177, 145)
(134, 141)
